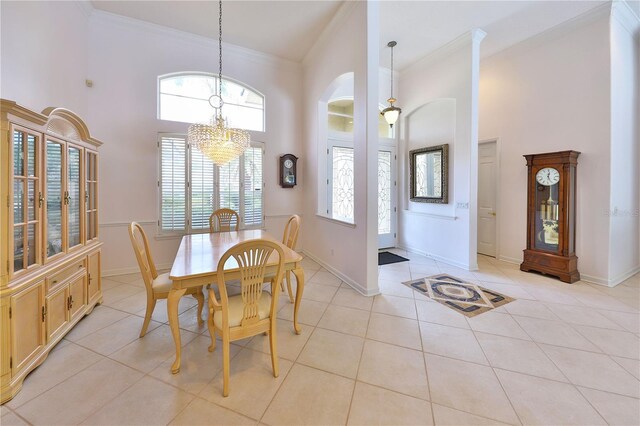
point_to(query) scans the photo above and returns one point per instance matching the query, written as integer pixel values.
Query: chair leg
(151, 304)
(212, 331)
(288, 278)
(225, 365)
(274, 349)
(200, 298)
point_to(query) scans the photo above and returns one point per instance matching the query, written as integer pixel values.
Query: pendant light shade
(216, 140)
(392, 112)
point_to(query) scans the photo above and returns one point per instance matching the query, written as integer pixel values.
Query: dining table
(196, 264)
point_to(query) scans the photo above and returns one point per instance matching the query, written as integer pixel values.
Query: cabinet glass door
(547, 218)
(90, 195)
(72, 197)
(55, 184)
(26, 193)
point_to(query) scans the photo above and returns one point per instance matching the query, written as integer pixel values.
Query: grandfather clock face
(547, 217)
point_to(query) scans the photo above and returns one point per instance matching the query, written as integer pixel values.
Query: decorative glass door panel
(91, 195)
(386, 198)
(341, 193)
(72, 197)
(26, 198)
(55, 184)
(384, 192)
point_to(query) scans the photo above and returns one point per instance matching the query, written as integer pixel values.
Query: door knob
(493, 213)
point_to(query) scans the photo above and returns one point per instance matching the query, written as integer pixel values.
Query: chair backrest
(223, 220)
(143, 254)
(252, 257)
(291, 232)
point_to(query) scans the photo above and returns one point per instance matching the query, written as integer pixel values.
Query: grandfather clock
(551, 215)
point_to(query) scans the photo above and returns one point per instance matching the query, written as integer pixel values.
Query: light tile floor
(559, 354)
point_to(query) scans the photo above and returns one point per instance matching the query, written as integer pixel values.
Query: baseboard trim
(353, 284)
(610, 282)
(508, 259)
(439, 258)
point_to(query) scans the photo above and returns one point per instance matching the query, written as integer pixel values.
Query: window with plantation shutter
(202, 190)
(192, 187)
(252, 182)
(173, 184)
(229, 187)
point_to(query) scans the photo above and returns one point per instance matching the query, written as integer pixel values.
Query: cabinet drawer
(62, 275)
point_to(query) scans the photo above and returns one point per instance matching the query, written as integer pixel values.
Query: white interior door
(487, 198)
(387, 187)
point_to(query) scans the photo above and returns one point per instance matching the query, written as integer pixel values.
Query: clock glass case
(288, 175)
(547, 209)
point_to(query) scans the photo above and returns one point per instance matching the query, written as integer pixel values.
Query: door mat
(385, 258)
(467, 298)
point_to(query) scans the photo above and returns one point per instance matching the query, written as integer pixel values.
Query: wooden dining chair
(289, 239)
(222, 220)
(157, 286)
(251, 312)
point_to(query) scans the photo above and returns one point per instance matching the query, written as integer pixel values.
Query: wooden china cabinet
(50, 253)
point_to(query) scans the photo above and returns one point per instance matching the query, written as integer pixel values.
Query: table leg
(172, 311)
(299, 274)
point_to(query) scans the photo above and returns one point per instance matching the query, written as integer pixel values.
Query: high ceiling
(282, 28)
(288, 29)
(422, 27)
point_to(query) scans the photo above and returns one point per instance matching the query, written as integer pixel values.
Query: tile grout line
(573, 385)
(426, 370)
(355, 381)
(15, 413)
(48, 389)
(293, 364)
(497, 378)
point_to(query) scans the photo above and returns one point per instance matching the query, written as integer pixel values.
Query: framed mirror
(428, 174)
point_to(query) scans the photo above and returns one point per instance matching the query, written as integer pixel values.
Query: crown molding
(555, 32)
(346, 8)
(469, 38)
(85, 6)
(622, 12)
(194, 39)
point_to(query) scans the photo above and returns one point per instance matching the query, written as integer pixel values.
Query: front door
(387, 197)
(487, 198)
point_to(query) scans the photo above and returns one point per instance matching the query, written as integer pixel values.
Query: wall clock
(551, 215)
(288, 173)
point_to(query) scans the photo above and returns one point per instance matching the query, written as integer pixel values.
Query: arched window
(185, 98)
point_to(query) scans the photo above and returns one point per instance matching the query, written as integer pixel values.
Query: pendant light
(392, 112)
(216, 140)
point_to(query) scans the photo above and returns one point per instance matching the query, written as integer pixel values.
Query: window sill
(336, 221)
(159, 237)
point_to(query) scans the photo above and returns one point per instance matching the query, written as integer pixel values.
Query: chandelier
(391, 112)
(216, 140)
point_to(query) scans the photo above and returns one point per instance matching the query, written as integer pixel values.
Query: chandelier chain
(220, 55)
(216, 140)
(392, 72)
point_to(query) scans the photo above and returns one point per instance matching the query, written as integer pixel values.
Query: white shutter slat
(202, 190)
(253, 199)
(229, 185)
(173, 188)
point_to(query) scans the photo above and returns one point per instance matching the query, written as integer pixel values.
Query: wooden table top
(199, 254)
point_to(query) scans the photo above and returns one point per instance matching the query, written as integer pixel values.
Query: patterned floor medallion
(467, 298)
